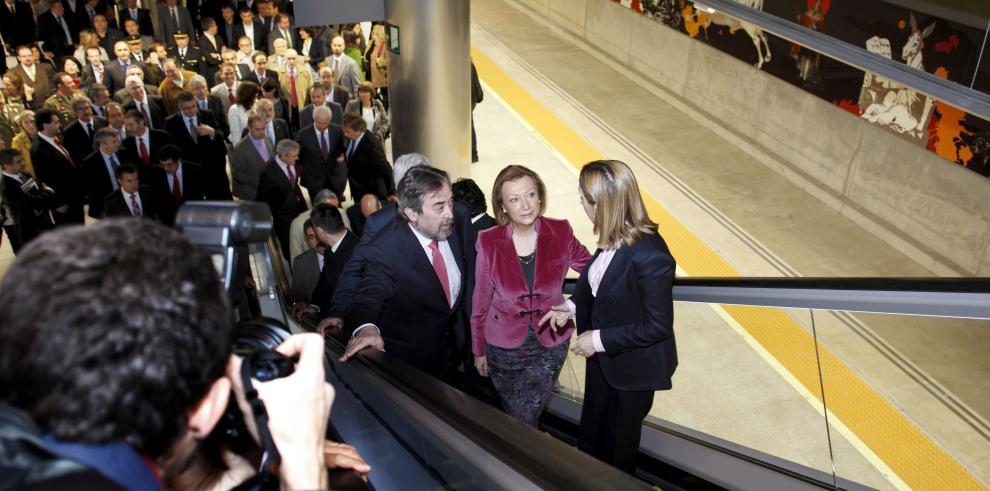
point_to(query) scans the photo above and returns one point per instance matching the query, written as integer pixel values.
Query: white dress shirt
(595, 274)
(127, 201)
(110, 170)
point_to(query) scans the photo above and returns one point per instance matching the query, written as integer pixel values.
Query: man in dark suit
(277, 129)
(143, 144)
(248, 157)
(321, 147)
(368, 171)
(56, 30)
(175, 182)
(27, 200)
(209, 102)
(130, 199)
(332, 91)
(306, 267)
(78, 135)
(261, 71)
(317, 97)
(279, 187)
(17, 22)
(56, 169)
(100, 97)
(140, 15)
(252, 28)
(151, 107)
(210, 46)
(173, 18)
(196, 132)
(373, 224)
(283, 30)
(117, 68)
(413, 299)
(95, 71)
(467, 193)
(339, 244)
(39, 77)
(99, 170)
(225, 26)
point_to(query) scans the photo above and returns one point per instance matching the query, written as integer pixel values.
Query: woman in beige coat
(376, 58)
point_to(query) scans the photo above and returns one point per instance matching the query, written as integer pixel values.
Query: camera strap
(270, 458)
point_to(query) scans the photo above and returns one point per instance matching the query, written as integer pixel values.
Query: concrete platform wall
(933, 210)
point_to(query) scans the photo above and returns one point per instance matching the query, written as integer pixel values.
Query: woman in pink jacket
(520, 271)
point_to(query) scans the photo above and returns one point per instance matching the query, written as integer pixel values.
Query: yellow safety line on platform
(903, 449)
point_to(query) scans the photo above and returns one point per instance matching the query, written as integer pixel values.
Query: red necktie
(65, 153)
(230, 95)
(441, 269)
(292, 175)
(144, 152)
(176, 192)
(292, 89)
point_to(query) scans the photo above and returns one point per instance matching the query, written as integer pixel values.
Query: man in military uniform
(187, 57)
(60, 101)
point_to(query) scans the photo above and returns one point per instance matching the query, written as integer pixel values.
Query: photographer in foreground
(115, 363)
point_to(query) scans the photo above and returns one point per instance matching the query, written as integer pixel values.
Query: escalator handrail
(934, 297)
(544, 460)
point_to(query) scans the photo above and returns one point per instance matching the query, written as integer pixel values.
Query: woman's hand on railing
(481, 364)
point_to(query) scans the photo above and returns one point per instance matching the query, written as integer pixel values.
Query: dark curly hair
(467, 193)
(111, 332)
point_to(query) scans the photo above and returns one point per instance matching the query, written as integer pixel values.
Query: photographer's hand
(344, 456)
(298, 407)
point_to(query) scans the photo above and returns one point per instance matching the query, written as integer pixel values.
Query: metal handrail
(969, 100)
(936, 297)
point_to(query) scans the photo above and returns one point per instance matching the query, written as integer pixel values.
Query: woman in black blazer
(625, 314)
(311, 50)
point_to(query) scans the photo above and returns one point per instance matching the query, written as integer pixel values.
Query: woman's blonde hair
(620, 216)
(511, 173)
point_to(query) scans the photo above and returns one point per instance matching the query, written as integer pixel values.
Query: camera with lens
(226, 230)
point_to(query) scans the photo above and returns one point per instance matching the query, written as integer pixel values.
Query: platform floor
(744, 376)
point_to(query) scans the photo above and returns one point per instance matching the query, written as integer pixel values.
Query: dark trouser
(611, 419)
(13, 237)
(74, 216)
(383, 96)
(474, 141)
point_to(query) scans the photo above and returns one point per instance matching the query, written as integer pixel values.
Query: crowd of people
(100, 117)
(177, 88)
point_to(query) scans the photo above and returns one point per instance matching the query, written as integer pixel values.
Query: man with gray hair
(77, 136)
(151, 107)
(423, 250)
(277, 129)
(279, 187)
(349, 279)
(208, 102)
(321, 155)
